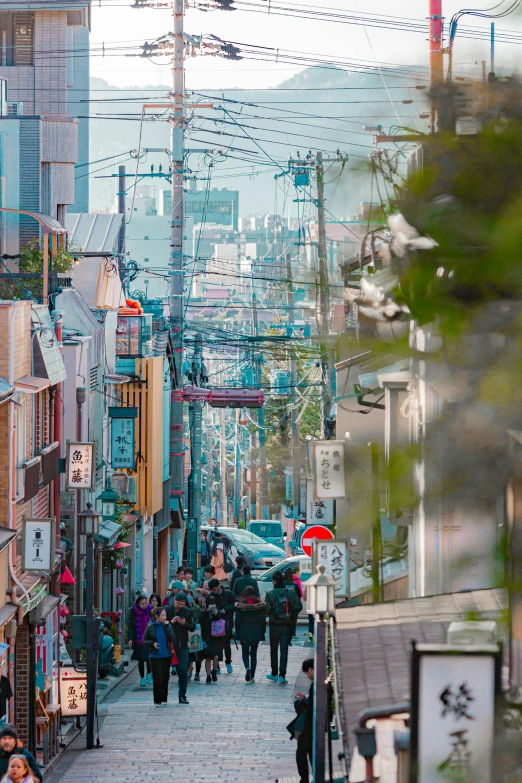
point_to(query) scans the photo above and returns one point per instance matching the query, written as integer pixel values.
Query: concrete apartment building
(44, 58)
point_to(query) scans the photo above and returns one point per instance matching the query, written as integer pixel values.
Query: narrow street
(229, 732)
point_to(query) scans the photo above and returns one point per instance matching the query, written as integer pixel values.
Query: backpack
(282, 607)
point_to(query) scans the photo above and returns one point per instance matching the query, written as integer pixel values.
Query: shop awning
(108, 533)
(42, 611)
(7, 612)
(31, 385)
(6, 536)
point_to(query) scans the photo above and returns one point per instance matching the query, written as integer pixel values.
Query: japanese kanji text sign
(38, 542)
(453, 705)
(318, 512)
(73, 691)
(328, 463)
(81, 465)
(122, 443)
(334, 555)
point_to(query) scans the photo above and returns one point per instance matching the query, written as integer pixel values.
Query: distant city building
(217, 205)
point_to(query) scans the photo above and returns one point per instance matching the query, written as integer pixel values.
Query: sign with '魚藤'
(81, 465)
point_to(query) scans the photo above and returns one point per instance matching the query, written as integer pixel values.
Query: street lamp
(109, 497)
(88, 521)
(320, 601)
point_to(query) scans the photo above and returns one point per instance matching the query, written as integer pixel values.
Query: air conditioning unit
(472, 633)
(15, 108)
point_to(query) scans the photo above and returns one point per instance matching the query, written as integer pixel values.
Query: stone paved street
(230, 732)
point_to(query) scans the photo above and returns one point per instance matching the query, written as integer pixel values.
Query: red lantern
(65, 634)
(63, 611)
(118, 564)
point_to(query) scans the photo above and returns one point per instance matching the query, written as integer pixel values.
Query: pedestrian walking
(282, 604)
(245, 580)
(209, 572)
(206, 549)
(301, 727)
(250, 629)
(155, 601)
(10, 746)
(236, 573)
(182, 622)
(218, 561)
(297, 581)
(175, 586)
(290, 583)
(138, 620)
(188, 579)
(217, 626)
(19, 770)
(159, 638)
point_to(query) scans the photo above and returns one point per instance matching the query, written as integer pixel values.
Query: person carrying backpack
(282, 605)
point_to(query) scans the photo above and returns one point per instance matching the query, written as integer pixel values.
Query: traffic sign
(315, 531)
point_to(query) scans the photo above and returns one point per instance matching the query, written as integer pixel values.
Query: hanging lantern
(119, 612)
(63, 611)
(119, 591)
(120, 631)
(65, 634)
(118, 564)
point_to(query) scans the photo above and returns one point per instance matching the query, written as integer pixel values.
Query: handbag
(218, 628)
(195, 640)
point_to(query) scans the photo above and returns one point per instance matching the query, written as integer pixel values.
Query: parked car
(259, 554)
(270, 530)
(305, 572)
(294, 545)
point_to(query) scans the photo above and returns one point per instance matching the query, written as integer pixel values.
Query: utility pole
(436, 55)
(296, 444)
(262, 506)
(176, 260)
(194, 500)
(376, 525)
(237, 471)
(324, 295)
(223, 466)
(121, 234)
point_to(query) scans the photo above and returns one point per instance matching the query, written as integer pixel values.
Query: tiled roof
(374, 643)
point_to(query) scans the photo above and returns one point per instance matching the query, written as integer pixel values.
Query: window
(23, 39)
(21, 446)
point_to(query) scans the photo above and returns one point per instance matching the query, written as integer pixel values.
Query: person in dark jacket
(305, 739)
(236, 573)
(182, 622)
(221, 604)
(246, 580)
(159, 639)
(11, 746)
(282, 604)
(250, 629)
(139, 618)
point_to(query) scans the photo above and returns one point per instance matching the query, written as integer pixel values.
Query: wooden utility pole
(296, 443)
(324, 296)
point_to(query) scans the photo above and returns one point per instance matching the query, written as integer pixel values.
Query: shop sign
(81, 465)
(318, 512)
(73, 691)
(38, 544)
(452, 712)
(122, 443)
(334, 555)
(328, 464)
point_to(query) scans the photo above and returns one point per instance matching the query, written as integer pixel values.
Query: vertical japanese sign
(122, 443)
(73, 691)
(453, 704)
(38, 544)
(81, 465)
(289, 490)
(328, 464)
(318, 512)
(334, 555)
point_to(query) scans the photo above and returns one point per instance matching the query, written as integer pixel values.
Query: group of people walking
(196, 623)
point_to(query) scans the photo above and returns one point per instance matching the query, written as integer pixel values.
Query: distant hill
(331, 105)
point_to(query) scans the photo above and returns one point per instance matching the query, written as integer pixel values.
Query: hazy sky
(117, 24)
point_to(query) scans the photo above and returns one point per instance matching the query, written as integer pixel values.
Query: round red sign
(315, 531)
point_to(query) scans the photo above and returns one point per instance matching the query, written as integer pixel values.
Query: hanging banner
(328, 466)
(334, 556)
(38, 543)
(81, 465)
(122, 443)
(318, 512)
(452, 712)
(73, 691)
(289, 490)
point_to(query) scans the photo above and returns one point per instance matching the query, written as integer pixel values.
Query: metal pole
(296, 443)
(195, 451)
(492, 47)
(436, 56)
(324, 296)
(237, 473)
(320, 706)
(176, 262)
(89, 642)
(58, 436)
(223, 466)
(121, 234)
(80, 400)
(263, 474)
(376, 526)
